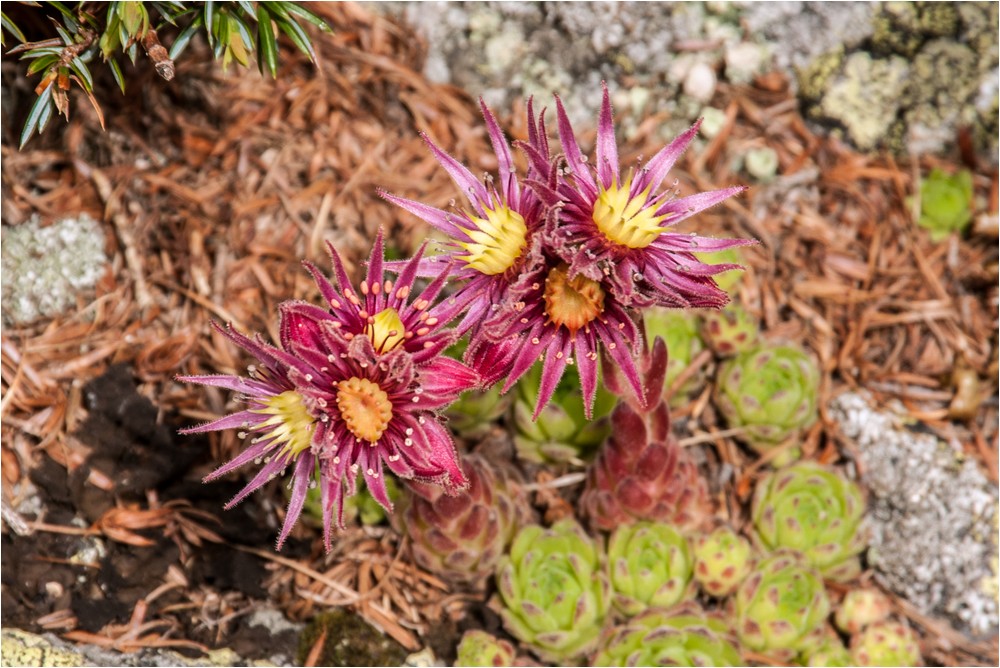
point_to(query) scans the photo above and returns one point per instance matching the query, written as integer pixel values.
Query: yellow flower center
(572, 303)
(289, 423)
(497, 241)
(626, 220)
(365, 407)
(385, 330)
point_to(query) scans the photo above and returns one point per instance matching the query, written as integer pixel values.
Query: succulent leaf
(945, 203)
(770, 391)
(554, 591)
(462, 538)
(679, 331)
(831, 653)
(682, 636)
(721, 560)
(781, 606)
(860, 608)
(650, 565)
(730, 331)
(815, 510)
(562, 432)
(478, 648)
(641, 473)
(886, 643)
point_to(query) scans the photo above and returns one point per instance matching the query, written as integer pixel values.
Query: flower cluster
(558, 264)
(553, 265)
(351, 389)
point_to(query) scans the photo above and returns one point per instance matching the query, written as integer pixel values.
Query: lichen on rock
(932, 516)
(44, 268)
(866, 97)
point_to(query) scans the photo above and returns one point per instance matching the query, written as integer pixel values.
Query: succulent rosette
(722, 559)
(816, 511)
(886, 643)
(945, 202)
(831, 653)
(730, 331)
(650, 565)
(679, 329)
(352, 390)
(621, 225)
(781, 607)
(770, 391)
(562, 432)
(478, 648)
(860, 608)
(461, 537)
(553, 590)
(683, 636)
(640, 472)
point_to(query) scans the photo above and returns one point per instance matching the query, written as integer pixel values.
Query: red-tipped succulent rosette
(352, 390)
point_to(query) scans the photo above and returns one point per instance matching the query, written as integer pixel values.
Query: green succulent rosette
(831, 653)
(730, 331)
(886, 643)
(562, 433)
(682, 636)
(945, 203)
(679, 330)
(650, 565)
(781, 607)
(553, 590)
(721, 560)
(479, 648)
(860, 608)
(771, 392)
(816, 511)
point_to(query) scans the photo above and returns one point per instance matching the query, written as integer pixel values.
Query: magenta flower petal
(652, 174)
(302, 481)
(607, 147)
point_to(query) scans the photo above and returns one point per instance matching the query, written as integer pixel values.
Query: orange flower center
(365, 407)
(572, 302)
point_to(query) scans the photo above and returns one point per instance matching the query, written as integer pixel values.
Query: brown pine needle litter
(214, 189)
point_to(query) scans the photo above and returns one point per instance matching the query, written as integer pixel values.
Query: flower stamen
(496, 242)
(365, 407)
(572, 303)
(385, 330)
(626, 220)
(289, 424)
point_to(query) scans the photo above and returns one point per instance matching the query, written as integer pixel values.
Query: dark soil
(101, 580)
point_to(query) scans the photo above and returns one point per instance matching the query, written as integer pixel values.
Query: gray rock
(805, 30)
(933, 517)
(44, 268)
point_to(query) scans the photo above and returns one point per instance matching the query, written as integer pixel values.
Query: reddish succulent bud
(641, 473)
(461, 538)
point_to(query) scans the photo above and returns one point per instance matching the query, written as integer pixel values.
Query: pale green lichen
(865, 98)
(45, 268)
